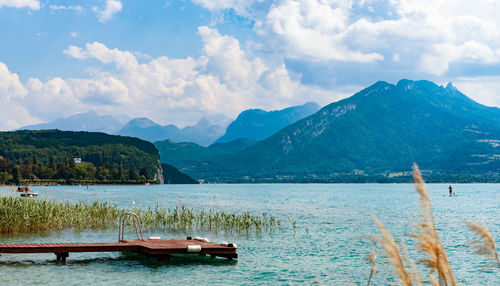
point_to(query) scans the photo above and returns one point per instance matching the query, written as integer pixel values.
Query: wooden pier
(160, 248)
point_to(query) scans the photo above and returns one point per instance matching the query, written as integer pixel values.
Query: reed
(484, 244)
(427, 236)
(429, 243)
(393, 254)
(19, 215)
(372, 258)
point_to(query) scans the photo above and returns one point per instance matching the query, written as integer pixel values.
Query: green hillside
(375, 135)
(172, 176)
(182, 154)
(49, 155)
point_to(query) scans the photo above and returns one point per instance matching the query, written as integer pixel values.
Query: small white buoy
(193, 248)
(133, 202)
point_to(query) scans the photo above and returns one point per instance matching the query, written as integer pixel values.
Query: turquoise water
(329, 244)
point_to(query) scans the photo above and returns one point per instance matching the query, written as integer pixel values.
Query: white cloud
(12, 112)
(10, 86)
(76, 8)
(224, 79)
(483, 89)
(52, 99)
(112, 7)
(31, 4)
(240, 6)
(427, 35)
(420, 35)
(314, 29)
(99, 51)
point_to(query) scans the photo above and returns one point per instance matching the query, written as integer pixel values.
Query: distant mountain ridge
(252, 124)
(376, 133)
(204, 132)
(257, 124)
(88, 121)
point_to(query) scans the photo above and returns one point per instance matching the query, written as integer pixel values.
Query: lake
(329, 244)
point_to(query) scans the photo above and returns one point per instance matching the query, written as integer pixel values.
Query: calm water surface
(329, 244)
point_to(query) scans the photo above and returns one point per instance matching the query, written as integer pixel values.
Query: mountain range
(252, 124)
(204, 132)
(258, 124)
(376, 134)
(88, 121)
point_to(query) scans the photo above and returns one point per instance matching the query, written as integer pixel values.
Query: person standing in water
(451, 190)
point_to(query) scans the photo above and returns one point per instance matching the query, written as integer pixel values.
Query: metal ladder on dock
(135, 222)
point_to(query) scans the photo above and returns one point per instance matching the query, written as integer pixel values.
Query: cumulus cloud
(12, 112)
(76, 8)
(315, 30)
(421, 35)
(483, 89)
(10, 86)
(31, 4)
(112, 7)
(225, 79)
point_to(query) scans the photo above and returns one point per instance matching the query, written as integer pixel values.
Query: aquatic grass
(20, 215)
(183, 219)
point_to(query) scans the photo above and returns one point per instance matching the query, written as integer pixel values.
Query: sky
(177, 61)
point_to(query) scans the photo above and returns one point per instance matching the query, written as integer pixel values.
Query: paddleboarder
(451, 190)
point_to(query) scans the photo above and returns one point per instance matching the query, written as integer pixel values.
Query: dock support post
(62, 256)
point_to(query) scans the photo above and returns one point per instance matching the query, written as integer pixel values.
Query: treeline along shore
(33, 172)
(50, 157)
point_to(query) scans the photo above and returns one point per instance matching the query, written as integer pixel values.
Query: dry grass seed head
(427, 237)
(484, 244)
(393, 254)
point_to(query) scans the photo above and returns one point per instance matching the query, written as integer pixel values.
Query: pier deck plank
(150, 247)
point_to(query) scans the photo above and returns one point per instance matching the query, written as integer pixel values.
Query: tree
(133, 176)
(103, 173)
(121, 173)
(16, 175)
(5, 177)
(144, 172)
(52, 163)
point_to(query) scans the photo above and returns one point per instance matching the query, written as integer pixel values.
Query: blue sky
(176, 61)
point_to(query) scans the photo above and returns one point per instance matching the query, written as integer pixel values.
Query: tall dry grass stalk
(372, 258)
(427, 241)
(484, 244)
(427, 237)
(393, 254)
